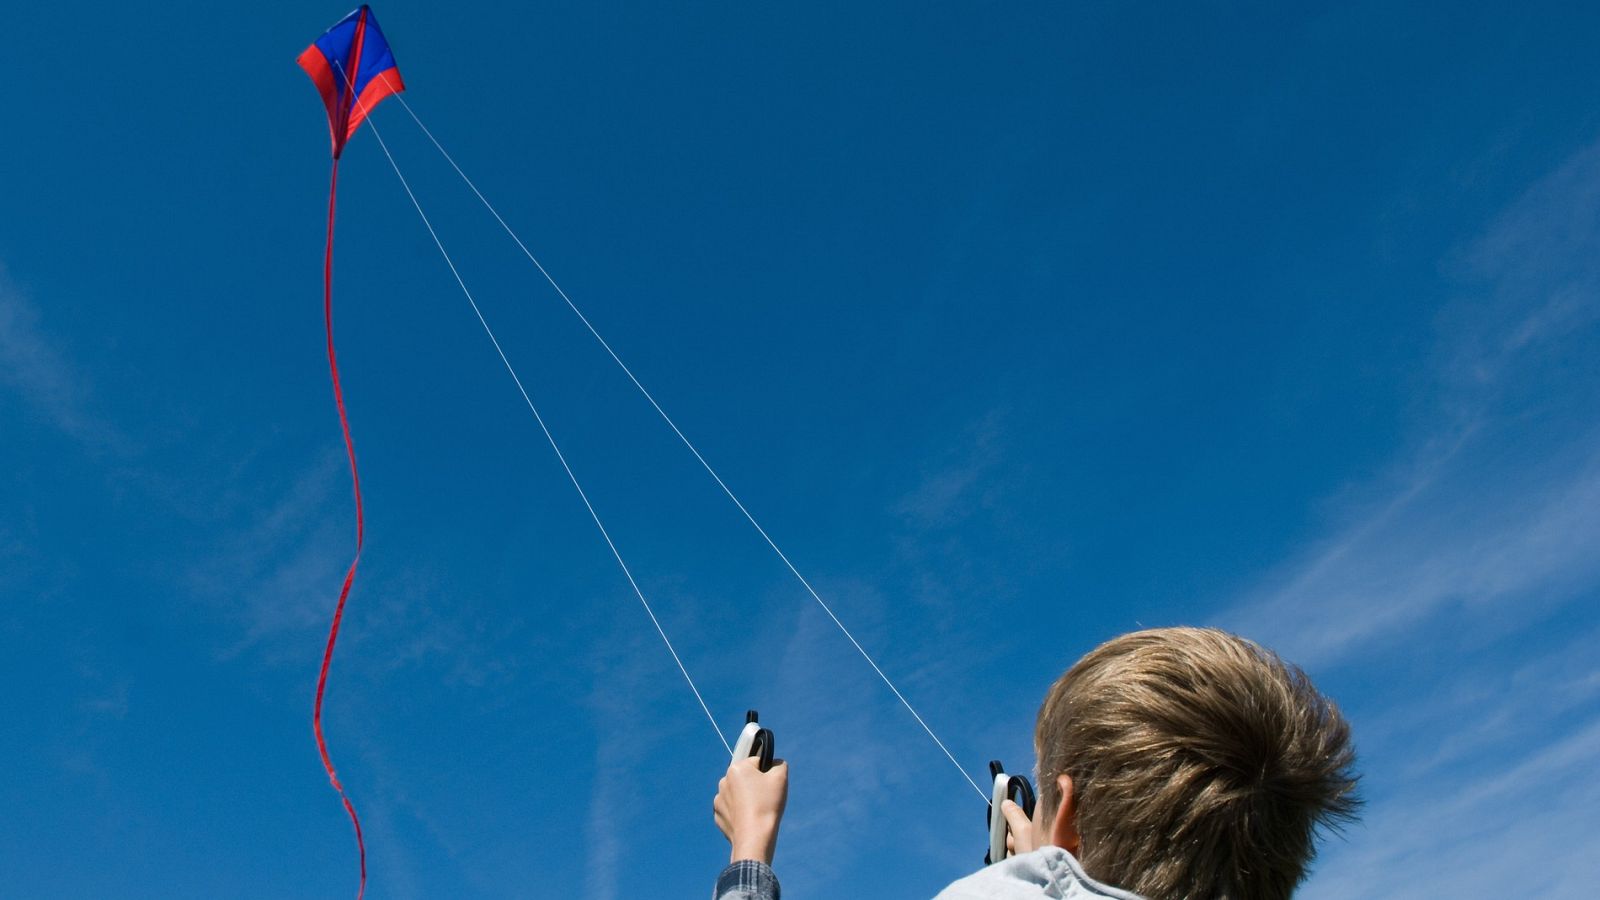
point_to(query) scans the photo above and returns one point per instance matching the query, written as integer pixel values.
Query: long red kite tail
(350, 575)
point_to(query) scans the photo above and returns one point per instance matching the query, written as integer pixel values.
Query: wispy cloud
(613, 699)
(629, 679)
(1462, 545)
(1537, 272)
(276, 578)
(34, 366)
(1496, 501)
(836, 727)
(1484, 528)
(1527, 829)
(957, 483)
(276, 573)
(853, 742)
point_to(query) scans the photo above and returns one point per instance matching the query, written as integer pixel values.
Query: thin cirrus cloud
(1529, 827)
(42, 374)
(1475, 553)
(1496, 502)
(1439, 554)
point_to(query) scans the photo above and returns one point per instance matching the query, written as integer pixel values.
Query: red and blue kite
(354, 70)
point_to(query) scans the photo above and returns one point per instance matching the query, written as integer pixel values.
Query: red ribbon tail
(349, 577)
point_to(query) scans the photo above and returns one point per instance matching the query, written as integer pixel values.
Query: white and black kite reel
(1016, 788)
(755, 741)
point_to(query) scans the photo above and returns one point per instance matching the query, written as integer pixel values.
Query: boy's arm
(748, 809)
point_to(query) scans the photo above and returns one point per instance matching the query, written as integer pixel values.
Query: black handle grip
(764, 742)
(1020, 791)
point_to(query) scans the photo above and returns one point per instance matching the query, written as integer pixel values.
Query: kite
(354, 69)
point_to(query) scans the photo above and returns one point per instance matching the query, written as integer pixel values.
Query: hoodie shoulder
(1047, 872)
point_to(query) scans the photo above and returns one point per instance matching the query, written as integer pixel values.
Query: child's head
(1201, 765)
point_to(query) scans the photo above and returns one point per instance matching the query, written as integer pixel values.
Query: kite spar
(353, 69)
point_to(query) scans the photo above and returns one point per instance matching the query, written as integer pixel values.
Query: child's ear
(1064, 829)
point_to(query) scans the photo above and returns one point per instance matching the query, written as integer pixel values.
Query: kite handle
(1016, 788)
(755, 741)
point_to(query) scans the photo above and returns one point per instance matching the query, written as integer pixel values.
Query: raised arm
(748, 809)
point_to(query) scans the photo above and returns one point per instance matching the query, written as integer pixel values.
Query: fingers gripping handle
(1018, 790)
(754, 741)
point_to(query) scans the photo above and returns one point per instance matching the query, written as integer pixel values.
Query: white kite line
(675, 430)
(551, 438)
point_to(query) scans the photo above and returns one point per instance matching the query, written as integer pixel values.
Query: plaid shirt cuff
(747, 879)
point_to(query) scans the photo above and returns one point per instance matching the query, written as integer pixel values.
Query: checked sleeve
(747, 879)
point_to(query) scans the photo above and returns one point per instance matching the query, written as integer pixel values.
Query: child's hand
(1020, 838)
(749, 806)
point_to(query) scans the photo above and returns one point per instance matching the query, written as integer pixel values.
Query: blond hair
(1202, 765)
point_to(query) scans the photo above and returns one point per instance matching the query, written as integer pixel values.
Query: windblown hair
(1202, 765)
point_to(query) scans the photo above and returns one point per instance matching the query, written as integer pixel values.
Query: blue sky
(1018, 328)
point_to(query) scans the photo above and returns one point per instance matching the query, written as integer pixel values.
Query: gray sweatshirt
(1046, 872)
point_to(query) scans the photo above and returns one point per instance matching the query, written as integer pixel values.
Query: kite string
(350, 574)
(551, 439)
(692, 449)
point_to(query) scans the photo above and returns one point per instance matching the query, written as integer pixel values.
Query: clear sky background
(1018, 326)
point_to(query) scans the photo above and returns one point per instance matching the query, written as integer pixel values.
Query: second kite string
(689, 444)
(583, 495)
